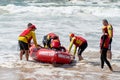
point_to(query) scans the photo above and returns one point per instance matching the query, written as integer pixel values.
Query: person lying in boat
(52, 41)
(48, 38)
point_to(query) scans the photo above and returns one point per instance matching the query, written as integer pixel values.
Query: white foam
(64, 10)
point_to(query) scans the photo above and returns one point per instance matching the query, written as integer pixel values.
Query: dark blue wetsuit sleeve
(103, 37)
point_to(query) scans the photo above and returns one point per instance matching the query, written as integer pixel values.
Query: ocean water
(82, 17)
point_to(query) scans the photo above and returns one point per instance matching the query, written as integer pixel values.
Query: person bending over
(24, 40)
(80, 43)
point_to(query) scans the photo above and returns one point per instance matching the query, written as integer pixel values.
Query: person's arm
(75, 49)
(71, 44)
(34, 38)
(104, 37)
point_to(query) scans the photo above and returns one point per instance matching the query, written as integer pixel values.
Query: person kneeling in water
(78, 42)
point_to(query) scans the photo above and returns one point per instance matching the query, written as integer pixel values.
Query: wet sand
(88, 69)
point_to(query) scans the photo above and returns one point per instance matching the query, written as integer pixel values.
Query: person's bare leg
(109, 55)
(27, 54)
(21, 54)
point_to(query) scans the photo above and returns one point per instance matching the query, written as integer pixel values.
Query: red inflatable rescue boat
(50, 55)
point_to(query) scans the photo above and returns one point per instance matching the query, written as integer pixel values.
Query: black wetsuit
(46, 42)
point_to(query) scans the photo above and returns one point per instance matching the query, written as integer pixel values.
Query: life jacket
(78, 41)
(24, 33)
(110, 30)
(106, 43)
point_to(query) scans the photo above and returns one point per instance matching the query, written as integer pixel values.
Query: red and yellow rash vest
(77, 41)
(27, 35)
(104, 41)
(109, 30)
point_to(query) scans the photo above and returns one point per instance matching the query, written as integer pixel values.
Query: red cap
(55, 43)
(71, 35)
(33, 27)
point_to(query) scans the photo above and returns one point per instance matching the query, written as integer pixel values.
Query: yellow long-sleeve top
(109, 30)
(29, 36)
(71, 44)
